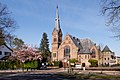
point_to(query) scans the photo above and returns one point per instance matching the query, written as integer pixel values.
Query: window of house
(88, 56)
(67, 51)
(0, 52)
(55, 39)
(105, 63)
(73, 37)
(66, 38)
(112, 56)
(54, 54)
(78, 50)
(80, 56)
(93, 53)
(7, 53)
(105, 58)
(77, 39)
(85, 56)
(108, 58)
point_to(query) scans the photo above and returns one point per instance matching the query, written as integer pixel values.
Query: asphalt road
(49, 74)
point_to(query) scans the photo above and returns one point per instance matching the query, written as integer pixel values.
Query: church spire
(57, 23)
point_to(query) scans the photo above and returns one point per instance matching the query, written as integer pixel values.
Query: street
(58, 74)
(48, 74)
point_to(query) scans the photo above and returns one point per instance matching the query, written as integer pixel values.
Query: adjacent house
(118, 60)
(5, 52)
(107, 57)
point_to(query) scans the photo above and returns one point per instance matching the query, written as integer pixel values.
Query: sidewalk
(97, 72)
(61, 70)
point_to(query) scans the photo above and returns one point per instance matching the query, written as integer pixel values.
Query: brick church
(72, 47)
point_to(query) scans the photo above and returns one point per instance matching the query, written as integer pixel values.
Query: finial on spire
(57, 6)
(57, 13)
(57, 23)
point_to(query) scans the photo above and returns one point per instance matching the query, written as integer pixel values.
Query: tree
(9, 40)
(44, 47)
(111, 9)
(17, 43)
(94, 63)
(1, 39)
(73, 60)
(7, 24)
(27, 53)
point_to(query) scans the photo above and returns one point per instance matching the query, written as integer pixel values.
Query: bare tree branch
(111, 9)
(7, 24)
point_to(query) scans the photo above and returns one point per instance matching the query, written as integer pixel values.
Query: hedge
(4, 65)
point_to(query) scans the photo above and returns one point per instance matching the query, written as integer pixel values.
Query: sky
(80, 18)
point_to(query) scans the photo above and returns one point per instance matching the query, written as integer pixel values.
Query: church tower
(56, 37)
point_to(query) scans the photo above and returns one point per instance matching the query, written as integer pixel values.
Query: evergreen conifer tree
(44, 48)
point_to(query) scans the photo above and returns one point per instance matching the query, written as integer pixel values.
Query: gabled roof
(76, 41)
(106, 49)
(85, 50)
(86, 43)
(83, 44)
(7, 47)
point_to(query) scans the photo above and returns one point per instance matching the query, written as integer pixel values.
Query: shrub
(60, 64)
(9, 65)
(50, 63)
(94, 63)
(31, 64)
(115, 65)
(56, 63)
(73, 60)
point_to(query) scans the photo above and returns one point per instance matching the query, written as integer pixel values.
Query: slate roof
(83, 44)
(106, 49)
(76, 41)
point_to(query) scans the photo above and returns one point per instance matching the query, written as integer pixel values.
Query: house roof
(106, 49)
(76, 41)
(86, 43)
(83, 44)
(7, 47)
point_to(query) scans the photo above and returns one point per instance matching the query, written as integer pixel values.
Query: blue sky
(80, 18)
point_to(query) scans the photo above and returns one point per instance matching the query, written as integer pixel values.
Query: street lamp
(69, 66)
(64, 63)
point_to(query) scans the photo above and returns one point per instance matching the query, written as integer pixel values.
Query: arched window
(54, 54)
(93, 53)
(67, 51)
(55, 39)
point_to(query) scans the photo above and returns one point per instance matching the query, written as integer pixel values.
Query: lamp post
(69, 66)
(102, 61)
(64, 63)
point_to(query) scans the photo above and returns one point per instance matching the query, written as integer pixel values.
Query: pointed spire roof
(106, 49)
(57, 22)
(57, 13)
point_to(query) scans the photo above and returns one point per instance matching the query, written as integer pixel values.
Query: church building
(71, 47)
